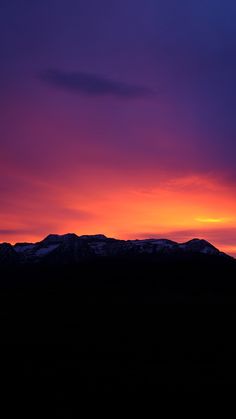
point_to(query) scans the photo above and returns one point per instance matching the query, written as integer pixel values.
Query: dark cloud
(12, 232)
(7, 234)
(93, 84)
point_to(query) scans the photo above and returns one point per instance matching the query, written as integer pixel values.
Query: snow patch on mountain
(45, 250)
(21, 248)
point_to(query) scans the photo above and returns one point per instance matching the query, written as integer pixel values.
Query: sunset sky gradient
(118, 117)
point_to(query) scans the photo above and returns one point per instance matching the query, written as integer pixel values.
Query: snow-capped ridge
(200, 245)
(71, 248)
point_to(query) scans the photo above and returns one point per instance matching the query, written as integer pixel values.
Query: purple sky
(102, 100)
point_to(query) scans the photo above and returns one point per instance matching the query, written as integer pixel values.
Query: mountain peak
(201, 245)
(53, 238)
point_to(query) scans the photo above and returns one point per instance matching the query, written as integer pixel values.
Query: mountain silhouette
(85, 314)
(70, 248)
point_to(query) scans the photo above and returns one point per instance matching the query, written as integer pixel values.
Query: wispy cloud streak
(93, 84)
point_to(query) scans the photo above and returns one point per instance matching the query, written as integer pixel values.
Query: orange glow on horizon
(121, 208)
(211, 220)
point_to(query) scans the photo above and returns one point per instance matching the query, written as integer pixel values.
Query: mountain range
(82, 314)
(70, 249)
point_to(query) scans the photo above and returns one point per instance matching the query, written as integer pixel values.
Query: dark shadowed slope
(101, 315)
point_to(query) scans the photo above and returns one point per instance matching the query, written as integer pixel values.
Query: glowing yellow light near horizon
(211, 220)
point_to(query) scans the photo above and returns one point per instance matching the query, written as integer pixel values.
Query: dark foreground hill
(156, 322)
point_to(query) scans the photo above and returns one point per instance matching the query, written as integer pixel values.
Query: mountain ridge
(71, 248)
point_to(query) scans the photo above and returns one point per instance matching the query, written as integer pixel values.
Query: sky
(118, 117)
